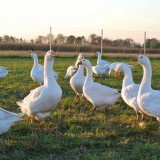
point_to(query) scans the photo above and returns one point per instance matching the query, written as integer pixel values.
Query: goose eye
(141, 57)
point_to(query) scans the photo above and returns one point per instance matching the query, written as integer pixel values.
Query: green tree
(80, 40)
(12, 39)
(93, 39)
(71, 39)
(60, 39)
(107, 42)
(6, 38)
(154, 43)
(46, 39)
(39, 39)
(32, 40)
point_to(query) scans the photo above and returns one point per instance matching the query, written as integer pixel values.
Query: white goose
(99, 95)
(130, 89)
(71, 70)
(3, 72)
(148, 99)
(77, 80)
(101, 70)
(100, 61)
(37, 71)
(113, 65)
(42, 100)
(7, 119)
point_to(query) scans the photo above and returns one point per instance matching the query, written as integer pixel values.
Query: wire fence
(30, 32)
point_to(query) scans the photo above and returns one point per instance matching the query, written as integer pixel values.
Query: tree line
(93, 39)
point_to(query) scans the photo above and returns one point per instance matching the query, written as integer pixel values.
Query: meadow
(72, 132)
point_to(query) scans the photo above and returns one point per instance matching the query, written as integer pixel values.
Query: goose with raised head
(77, 80)
(7, 119)
(99, 95)
(37, 71)
(148, 99)
(42, 100)
(100, 61)
(130, 89)
(3, 72)
(71, 70)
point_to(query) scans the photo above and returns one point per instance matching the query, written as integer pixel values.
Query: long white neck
(80, 70)
(48, 72)
(99, 56)
(89, 77)
(77, 61)
(146, 80)
(128, 79)
(35, 61)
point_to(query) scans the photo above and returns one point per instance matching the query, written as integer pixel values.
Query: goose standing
(3, 72)
(101, 70)
(71, 70)
(7, 119)
(99, 95)
(102, 67)
(37, 72)
(77, 80)
(130, 89)
(100, 61)
(42, 100)
(148, 99)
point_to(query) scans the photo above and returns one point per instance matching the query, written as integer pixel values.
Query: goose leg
(137, 115)
(84, 98)
(94, 109)
(32, 118)
(77, 97)
(142, 118)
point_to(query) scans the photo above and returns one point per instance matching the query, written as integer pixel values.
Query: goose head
(142, 59)
(50, 55)
(98, 53)
(85, 62)
(119, 68)
(81, 56)
(33, 55)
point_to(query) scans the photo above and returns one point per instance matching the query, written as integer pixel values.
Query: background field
(71, 133)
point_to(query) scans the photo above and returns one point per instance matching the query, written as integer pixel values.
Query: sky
(117, 18)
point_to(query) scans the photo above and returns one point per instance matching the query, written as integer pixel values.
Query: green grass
(71, 133)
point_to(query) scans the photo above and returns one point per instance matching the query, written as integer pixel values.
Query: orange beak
(134, 59)
(52, 54)
(116, 74)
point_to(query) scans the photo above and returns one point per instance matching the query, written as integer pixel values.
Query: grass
(70, 133)
(16, 54)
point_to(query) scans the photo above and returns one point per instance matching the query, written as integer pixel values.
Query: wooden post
(101, 41)
(144, 42)
(50, 38)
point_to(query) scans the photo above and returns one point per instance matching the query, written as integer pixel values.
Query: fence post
(101, 41)
(144, 42)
